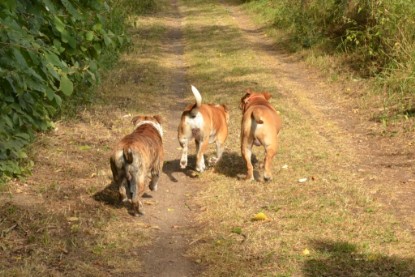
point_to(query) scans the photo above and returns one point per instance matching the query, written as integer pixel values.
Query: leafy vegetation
(375, 36)
(50, 51)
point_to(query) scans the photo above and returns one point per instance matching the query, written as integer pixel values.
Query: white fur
(197, 96)
(157, 126)
(196, 122)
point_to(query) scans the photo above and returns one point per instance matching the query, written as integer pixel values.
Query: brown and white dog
(261, 125)
(137, 155)
(205, 123)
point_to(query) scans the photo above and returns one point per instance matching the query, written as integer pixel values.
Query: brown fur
(135, 156)
(261, 125)
(205, 123)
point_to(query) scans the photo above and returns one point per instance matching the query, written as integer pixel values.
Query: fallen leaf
(306, 252)
(84, 147)
(142, 225)
(237, 230)
(176, 227)
(260, 216)
(72, 219)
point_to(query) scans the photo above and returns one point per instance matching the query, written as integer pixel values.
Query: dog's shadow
(110, 196)
(173, 166)
(232, 165)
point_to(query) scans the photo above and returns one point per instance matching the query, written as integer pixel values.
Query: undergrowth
(373, 38)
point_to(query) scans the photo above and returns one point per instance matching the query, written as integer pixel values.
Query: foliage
(48, 48)
(377, 36)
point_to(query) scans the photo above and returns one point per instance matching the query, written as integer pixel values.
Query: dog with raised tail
(205, 123)
(261, 125)
(137, 156)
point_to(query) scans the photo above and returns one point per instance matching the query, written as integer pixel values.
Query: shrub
(48, 48)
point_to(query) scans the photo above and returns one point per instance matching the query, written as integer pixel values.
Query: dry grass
(333, 215)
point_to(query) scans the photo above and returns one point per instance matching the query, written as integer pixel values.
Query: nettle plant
(47, 47)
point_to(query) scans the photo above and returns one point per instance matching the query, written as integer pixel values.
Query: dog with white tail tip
(205, 123)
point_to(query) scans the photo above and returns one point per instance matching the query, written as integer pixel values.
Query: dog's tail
(198, 98)
(128, 155)
(197, 95)
(128, 158)
(257, 116)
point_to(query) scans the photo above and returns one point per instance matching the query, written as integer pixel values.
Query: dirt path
(173, 213)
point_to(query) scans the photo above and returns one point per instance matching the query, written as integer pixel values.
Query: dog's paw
(249, 178)
(200, 168)
(139, 213)
(152, 187)
(267, 178)
(183, 164)
(213, 160)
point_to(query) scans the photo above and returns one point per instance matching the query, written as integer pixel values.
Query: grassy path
(64, 219)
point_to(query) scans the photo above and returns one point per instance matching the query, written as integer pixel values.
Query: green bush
(47, 49)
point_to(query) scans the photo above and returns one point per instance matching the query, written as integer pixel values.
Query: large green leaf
(59, 25)
(66, 85)
(89, 36)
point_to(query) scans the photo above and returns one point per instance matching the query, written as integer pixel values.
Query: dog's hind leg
(201, 147)
(269, 155)
(184, 144)
(219, 152)
(136, 203)
(122, 189)
(246, 149)
(155, 175)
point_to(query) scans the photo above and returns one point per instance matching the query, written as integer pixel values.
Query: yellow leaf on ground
(260, 216)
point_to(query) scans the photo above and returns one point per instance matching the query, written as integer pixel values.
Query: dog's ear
(267, 95)
(158, 118)
(244, 99)
(136, 119)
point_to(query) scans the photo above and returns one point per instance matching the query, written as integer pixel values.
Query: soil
(386, 163)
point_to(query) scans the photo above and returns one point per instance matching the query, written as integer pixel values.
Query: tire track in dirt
(172, 215)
